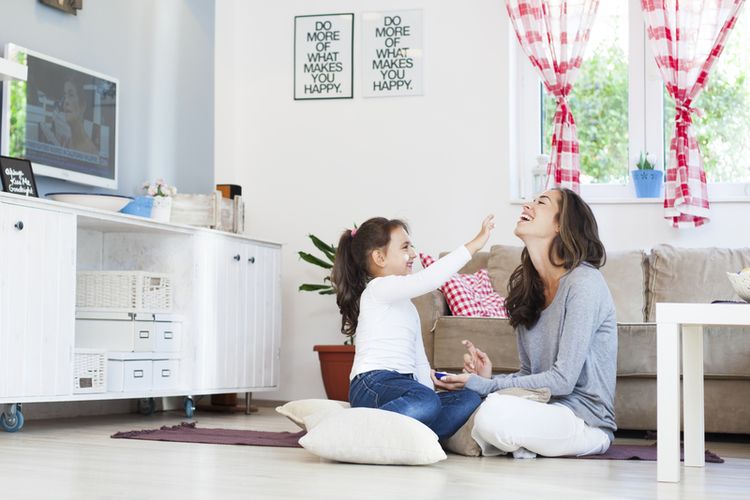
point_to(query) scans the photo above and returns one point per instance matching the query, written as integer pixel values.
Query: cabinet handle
(237, 257)
(251, 260)
(166, 373)
(143, 334)
(137, 373)
(19, 225)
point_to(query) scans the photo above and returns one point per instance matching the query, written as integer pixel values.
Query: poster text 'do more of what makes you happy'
(323, 56)
(392, 53)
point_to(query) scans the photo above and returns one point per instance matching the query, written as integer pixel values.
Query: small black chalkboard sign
(17, 176)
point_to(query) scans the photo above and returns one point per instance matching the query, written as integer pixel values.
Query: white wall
(441, 160)
(162, 53)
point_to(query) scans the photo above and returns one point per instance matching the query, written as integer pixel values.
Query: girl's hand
(476, 361)
(451, 382)
(488, 224)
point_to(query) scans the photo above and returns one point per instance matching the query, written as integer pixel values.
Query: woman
(564, 317)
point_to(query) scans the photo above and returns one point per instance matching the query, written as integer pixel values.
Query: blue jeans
(443, 412)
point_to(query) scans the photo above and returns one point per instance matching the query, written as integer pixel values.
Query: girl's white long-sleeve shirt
(389, 334)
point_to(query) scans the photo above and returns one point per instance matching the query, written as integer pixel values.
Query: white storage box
(124, 291)
(168, 336)
(129, 372)
(144, 336)
(166, 374)
(89, 371)
(131, 332)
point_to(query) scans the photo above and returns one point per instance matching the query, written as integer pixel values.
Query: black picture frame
(350, 15)
(17, 177)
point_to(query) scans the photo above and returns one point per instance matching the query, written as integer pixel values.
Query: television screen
(63, 119)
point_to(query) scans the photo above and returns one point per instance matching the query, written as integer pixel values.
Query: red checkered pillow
(471, 294)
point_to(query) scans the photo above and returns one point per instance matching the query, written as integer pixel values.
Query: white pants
(504, 424)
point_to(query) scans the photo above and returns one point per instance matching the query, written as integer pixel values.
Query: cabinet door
(253, 261)
(267, 318)
(225, 318)
(37, 301)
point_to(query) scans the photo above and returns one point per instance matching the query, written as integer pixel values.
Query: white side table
(672, 322)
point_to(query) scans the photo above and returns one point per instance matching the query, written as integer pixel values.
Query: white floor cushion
(296, 411)
(371, 436)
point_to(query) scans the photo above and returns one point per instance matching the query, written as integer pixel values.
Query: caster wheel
(189, 407)
(147, 406)
(13, 422)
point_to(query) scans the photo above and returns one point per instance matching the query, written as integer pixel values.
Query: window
(621, 109)
(599, 100)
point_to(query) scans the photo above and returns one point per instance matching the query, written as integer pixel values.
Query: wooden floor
(76, 459)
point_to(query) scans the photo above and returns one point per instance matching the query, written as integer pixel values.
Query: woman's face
(399, 255)
(539, 218)
(72, 105)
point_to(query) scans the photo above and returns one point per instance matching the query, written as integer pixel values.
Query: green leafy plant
(326, 263)
(645, 163)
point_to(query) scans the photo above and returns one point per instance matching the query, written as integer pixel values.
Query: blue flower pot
(648, 183)
(141, 206)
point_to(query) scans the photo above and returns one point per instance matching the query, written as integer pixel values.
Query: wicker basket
(124, 291)
(89, 371)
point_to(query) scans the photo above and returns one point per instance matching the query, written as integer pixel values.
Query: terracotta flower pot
(335, 365)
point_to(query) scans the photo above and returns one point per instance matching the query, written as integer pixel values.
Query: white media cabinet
(226, 289)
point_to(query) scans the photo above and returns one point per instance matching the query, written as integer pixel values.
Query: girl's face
(398, 257)
(539, 218)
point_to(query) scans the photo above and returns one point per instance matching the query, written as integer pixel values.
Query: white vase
(161, 210)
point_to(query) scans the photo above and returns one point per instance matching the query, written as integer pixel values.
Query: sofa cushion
(503, 260)
(623, 272)
(726, 351)
(692, 274)
(492, 335)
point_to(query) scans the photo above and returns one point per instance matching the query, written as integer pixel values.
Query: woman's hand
(488, 224)
(476, 361)
(451, 382)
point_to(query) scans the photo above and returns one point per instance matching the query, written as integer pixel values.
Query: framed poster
(17, 176)
(392, 53)
(323, 51)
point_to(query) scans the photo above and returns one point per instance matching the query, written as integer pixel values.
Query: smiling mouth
(525, 218)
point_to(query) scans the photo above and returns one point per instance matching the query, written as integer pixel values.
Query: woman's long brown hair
(578, 241)
(351, 266)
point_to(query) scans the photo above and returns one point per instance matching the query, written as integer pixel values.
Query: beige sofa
(637, 280)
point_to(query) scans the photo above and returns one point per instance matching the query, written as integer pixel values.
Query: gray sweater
(572, 350)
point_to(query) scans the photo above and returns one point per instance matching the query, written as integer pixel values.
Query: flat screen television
(63, 119)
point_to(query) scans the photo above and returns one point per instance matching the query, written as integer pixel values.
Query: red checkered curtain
(687, 37)
(553, 34)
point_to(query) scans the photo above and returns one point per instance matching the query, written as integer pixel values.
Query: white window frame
(645, 122)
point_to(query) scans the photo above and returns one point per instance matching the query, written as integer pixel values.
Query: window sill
(642, 201)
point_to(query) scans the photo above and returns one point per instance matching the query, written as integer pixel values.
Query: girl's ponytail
(349, 280)
(351, 270)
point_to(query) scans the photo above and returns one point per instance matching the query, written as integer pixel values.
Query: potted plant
(335, 360)
(646, 178)
(161, 192)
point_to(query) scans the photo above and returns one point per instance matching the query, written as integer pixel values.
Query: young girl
(373, 290)
(565, 322)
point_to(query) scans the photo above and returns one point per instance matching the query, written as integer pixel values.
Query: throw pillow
(471, 294)
(461, 442)
(372, 436)
(296, 411)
